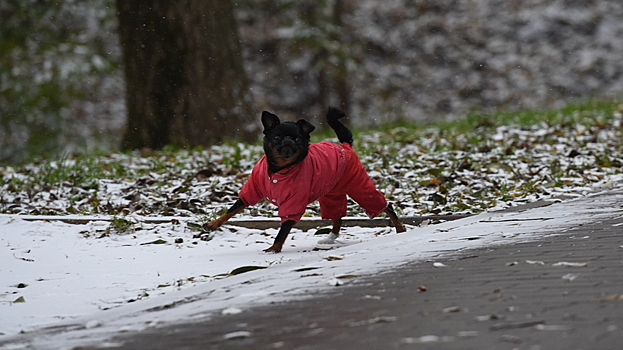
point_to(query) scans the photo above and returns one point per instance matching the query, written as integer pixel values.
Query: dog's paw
(275, 248)
(329, 240)
(212, 225)
(400, 228)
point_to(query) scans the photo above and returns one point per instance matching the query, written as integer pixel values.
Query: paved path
(520, 296)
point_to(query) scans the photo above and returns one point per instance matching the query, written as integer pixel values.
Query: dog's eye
(277, 138)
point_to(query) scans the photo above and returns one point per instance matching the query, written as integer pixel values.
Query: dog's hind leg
(343, 133)
(335, 232)
(394, 219)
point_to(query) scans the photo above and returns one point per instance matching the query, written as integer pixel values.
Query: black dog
(294, 173)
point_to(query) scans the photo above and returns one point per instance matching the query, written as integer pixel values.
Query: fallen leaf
(552, 327)
(244, 269)
(323, 231)
(333, 258)
(425, 339)
(569, 277)
(204, 175)
(195, 226)
(435, 181)
(380, 319)
(500, 326)
(487, 317)
(92, 324)
(467, 257)
(570, 264)
(158, 241)
(237, 335)
(303, 269)
(25, 259)
(207, 237)
(451, 309)
(311, 275)
(231, 311)
(468, 334)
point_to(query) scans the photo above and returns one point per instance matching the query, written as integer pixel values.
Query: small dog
(294, 173)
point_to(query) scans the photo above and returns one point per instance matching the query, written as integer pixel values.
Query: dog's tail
(342, 132)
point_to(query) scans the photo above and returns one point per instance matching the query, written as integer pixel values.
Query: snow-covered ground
(54, 274)
(120, 271)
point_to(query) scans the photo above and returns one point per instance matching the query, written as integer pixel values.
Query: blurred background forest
(63, 89)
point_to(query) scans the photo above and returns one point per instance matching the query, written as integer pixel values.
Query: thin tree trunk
(340, 74)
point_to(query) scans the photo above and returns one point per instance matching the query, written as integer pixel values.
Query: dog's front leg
(215, 224)
(281, 237)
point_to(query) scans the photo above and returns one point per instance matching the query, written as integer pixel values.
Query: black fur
(288, 140)
(342, 132)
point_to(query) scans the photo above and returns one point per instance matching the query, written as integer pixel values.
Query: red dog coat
(327, 174)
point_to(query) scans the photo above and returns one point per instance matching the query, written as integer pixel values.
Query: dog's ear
(269, 120)
(305, 126)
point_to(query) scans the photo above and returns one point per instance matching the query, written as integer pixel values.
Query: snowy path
(66, 276)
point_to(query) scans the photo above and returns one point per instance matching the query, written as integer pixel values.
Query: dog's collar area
(283, 171)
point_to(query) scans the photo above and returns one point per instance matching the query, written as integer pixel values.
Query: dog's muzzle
(288, 148)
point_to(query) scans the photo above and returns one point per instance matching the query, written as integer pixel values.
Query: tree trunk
(340, 75)
(185, 80)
